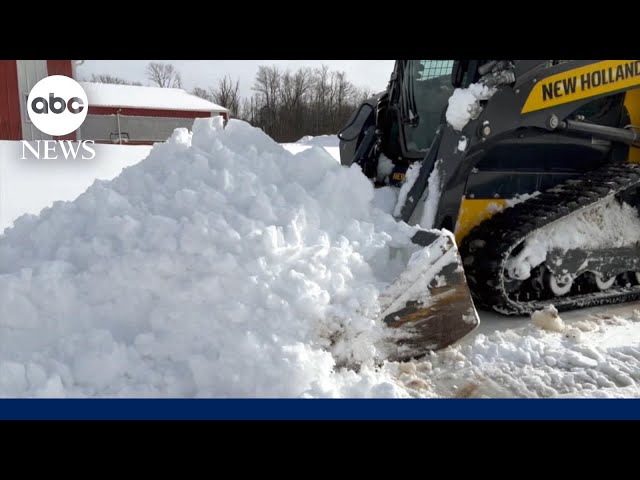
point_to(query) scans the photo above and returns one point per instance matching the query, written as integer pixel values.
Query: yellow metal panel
(475, 211)
(584, 82)
(632, 102)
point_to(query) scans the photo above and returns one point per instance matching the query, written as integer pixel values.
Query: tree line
(285, 104)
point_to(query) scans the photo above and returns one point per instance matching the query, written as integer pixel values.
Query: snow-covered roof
(134, 96)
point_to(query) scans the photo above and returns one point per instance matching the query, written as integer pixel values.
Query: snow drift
(221, 265)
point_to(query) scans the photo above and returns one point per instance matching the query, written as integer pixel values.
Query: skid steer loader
(517, 172)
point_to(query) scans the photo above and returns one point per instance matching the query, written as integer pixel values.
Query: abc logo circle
(57, 105)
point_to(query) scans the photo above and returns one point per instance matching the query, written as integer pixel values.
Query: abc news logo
(57, 106)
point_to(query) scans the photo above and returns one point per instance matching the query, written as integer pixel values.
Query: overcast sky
(203, 73)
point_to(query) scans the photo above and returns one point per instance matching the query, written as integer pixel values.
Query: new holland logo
(58, 105)
(584, 82)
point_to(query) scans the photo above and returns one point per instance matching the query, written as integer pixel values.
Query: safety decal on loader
(584, 82)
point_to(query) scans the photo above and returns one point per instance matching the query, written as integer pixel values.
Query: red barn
(141, 115)
(117, 113)
(17, 77)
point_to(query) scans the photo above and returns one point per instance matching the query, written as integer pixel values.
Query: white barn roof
(134, 96)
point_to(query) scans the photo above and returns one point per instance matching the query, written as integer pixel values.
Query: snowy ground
(223, 265)
(596, 355)
(29, 185)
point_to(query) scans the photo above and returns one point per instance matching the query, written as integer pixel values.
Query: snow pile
(464, 104)
(221, 265)
(386, 198)
(548, 319)
(606, 224)
(599, 356)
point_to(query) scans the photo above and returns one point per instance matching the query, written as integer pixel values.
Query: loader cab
(407, 116)
(419, 94)
(431, 89)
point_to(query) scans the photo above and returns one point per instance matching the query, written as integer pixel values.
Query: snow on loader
(526, 162)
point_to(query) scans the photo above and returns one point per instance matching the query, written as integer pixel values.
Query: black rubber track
(486, 249)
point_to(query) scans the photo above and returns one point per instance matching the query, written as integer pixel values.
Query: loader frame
(538, 108)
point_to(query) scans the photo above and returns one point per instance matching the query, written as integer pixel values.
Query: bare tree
(344, 89)
(227, 94)
(267, 86)
(362, 94)
(106, 78)
(288, 105)
(164, 75)
(295, 87)
(202, 93)
(247, 110)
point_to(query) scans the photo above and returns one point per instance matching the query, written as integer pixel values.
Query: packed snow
(434, 187)
(410, 178)
(607, 224)
(430, 205)
(221, 265)
(521, 197)
(464, 104)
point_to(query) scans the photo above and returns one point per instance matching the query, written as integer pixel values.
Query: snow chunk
(574, 334)
(548, 319)
(385, 167)
(464, 104)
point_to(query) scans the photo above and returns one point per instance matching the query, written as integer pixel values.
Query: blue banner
(321, 409)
